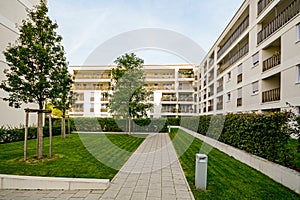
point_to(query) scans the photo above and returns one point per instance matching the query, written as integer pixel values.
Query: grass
(71, 157)
(227, 177)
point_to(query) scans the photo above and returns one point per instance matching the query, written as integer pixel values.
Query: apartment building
(12, 12)
(254, 66)
(171, 86)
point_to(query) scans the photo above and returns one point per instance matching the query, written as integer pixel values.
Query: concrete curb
(288, 177)
(51, 183)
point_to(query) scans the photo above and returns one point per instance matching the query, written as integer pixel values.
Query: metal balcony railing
(271, 62)
(235, 57)
(280, 20)
(240, 29)
(262, 4)
(271, 95)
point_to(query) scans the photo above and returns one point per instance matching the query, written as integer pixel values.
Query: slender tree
(129, 92)
(34, 60)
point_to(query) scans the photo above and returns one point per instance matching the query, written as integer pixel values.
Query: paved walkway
(152, 172)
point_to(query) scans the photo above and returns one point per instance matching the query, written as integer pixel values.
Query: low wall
(51, 183)
(283, 175)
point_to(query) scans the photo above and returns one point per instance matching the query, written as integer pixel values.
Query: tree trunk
(63, 127)
(40, 133)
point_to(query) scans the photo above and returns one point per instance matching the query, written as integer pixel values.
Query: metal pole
(26, 135)
(50, 136)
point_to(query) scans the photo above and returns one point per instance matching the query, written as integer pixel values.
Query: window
(298, 32)
(228, 76)
(228, 96)
(255, 59)
(240, 73)
(298, 78)
(239, 92)
(255, 87)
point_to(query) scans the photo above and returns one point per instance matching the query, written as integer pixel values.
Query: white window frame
(240, 69)
(255, 87)
(255, 59)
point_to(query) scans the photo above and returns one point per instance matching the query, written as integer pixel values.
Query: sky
(87, 24)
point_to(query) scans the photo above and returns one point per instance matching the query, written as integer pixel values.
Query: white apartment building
(12, 12)
(172, 89)
(254, 66)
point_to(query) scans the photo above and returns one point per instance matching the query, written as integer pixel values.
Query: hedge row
(264, 135)
(8, 135)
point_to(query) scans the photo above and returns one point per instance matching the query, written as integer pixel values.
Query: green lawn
(72, 157)
(227, 177)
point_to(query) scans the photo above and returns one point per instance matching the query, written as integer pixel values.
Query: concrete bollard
(201, 171)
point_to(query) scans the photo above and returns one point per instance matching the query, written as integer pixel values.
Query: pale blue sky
(86, 24)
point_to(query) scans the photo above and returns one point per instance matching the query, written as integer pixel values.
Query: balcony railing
(77, 110)
(185, 99)
(286, 15)
(262, 4)
(103, 110)
(168, 98)
(239, 102)
(271, 62)
(235, 57)
(104, 99)
(242, 27)
(210, 108)
(271, 95)
(91, 88)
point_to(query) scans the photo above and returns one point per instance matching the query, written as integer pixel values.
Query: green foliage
(264, 135)
(35, 61)
(129, 92)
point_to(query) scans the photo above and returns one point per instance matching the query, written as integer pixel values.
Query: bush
(264, 135)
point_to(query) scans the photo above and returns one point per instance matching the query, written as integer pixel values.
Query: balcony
(261, 5)
(103, 110)
(242, 27)
(271, 62)
(168, 98)
(280, 20)
(233, 57)
(210, 108)
(104, 99)
(239, 102)
(271, 95)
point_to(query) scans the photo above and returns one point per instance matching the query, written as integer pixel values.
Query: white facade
(171, 85)
(12, 12)
(254, 64)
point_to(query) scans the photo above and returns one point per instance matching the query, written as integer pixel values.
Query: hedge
(264, 135)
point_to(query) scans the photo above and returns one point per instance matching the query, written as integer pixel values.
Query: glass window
(228, 76)
(240, 69)
(255, 87)
(255, 58)
(239, 92)
(228, 96)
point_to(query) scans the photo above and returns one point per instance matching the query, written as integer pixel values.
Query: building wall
(173, 93)
(12, 12)
(276, 72)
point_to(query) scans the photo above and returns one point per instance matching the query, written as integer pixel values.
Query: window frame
(255, 90)
(255, 59)
(298, 74)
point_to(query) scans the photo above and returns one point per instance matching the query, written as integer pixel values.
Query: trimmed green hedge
(264, 135)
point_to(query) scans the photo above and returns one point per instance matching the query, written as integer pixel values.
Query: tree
(34, 61)
(129, 92)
